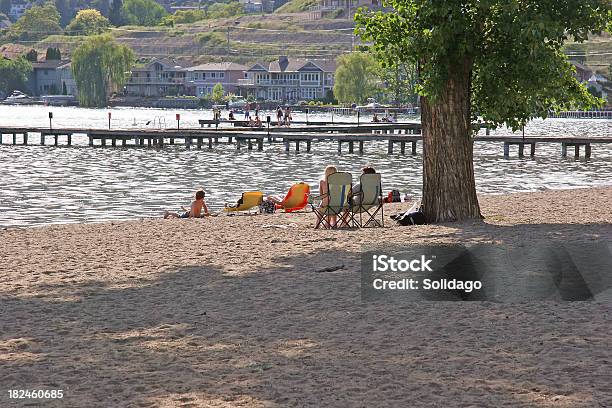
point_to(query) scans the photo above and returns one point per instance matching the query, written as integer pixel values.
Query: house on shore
(288, 79)
(51, 77)
(201, 79)
(160, 77)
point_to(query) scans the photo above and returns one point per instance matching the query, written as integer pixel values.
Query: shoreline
(393, 207)
(265, 311)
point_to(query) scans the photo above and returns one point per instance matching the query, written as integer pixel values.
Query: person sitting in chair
(357, 187)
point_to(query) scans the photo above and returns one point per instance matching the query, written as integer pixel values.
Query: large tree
(65, 11)
(88, 22)
(36, 23)
(100, 66)
(355, 78)
(497, 59)
(142, 12)
(115, 15)
(14, 74)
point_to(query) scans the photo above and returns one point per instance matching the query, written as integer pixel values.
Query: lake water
(44, 185)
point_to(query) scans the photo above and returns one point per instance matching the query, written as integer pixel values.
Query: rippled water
(44, 184)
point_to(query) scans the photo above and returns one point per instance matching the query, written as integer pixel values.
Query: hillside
(251, 38)
(265, 37)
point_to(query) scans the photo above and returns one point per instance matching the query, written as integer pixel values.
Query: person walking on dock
(287, 116)
(279, 115)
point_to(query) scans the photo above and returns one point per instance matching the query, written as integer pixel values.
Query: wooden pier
(351, 138)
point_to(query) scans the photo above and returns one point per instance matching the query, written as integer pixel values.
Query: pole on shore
(50, 120)
(109, 120)
(178, 121)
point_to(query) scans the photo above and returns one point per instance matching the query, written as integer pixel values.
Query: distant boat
(59, 100)
(20, 98)
(371, 105)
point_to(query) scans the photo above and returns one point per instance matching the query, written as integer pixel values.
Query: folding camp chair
(368, 202)
(296, 199)
(339, 190)
(248, 200)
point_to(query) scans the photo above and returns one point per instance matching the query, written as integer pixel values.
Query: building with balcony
(288, 80)
(201, 79)
(160, 77)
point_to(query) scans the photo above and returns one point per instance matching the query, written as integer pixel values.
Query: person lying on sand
(195, 211)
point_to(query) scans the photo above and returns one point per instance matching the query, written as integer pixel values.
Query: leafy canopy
(142, 12)
(513, 48)
(217, 93)
(14, 74)
(88, 22)
(355, 78)
(36, 23)
(99, 66)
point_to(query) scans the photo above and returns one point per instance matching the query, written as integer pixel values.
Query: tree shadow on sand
(299, 335)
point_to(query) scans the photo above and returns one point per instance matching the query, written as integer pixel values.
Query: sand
(264, 311)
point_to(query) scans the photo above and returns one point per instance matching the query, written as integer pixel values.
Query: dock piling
(587, 151)
(390, 147)
(361, 147)
(403, 147)
(351, 146)
(308, 145)
(414, 147)
(260, 143)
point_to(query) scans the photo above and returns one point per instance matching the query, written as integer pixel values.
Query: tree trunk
(449, 189)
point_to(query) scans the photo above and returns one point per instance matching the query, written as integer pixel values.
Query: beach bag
(268, 207)
(410, 218)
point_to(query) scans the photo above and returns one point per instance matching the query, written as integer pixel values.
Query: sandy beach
(265, 311)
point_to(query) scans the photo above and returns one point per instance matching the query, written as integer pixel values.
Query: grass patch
(296, 6)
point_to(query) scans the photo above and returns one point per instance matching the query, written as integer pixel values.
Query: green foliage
(217, 93)
(115, 16)
(142, 12)
(14, 74)
(35, 24)
(512, 49)
(183, 17)
(400, 83)
(53, 53)
(296, 6)
(100, 66)
(355, 78)
(65, 11)
(221, 10)
(32, 55)
(212, 40)
(88, 22)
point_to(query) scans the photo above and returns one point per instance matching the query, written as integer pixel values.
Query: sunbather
(195, 210)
